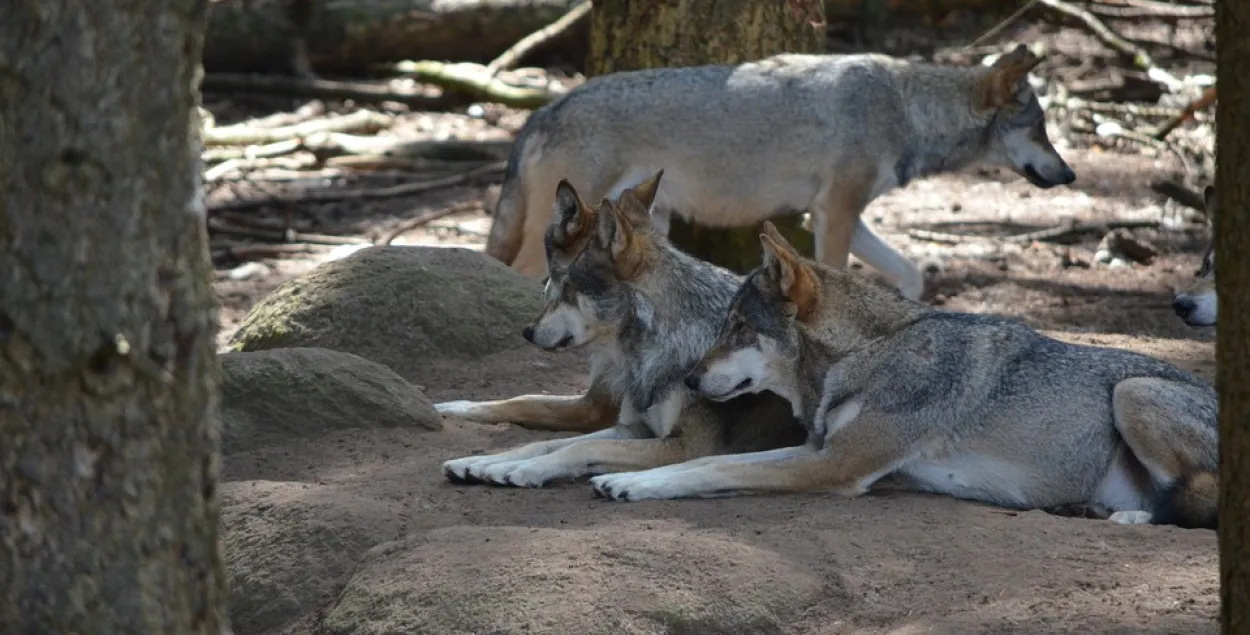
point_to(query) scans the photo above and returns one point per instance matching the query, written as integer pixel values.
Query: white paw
(522, 473)
(460, 470)
(464, 409)
(635, 486)
(1130, 518)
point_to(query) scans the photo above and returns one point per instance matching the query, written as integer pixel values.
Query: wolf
(822, 134)
(1197, 304)
(649, 311)
(972, 406)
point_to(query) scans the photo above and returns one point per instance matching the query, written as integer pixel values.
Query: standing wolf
(1198, 304)
(649, 311)
(825, 134)
(972, 406)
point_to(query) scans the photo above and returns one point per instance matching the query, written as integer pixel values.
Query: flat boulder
(506, 580)
(273, 396)
(399, 306)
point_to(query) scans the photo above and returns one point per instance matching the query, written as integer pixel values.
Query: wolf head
(592, 253)
(758, 343)
(1018, 129)
(1197, 304)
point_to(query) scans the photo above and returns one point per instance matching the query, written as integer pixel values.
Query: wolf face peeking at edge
(650, 311)
(824, 134)
(976, 407)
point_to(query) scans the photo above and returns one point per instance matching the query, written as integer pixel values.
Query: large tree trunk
(636, 35)
(1232, 244)
(108, 445)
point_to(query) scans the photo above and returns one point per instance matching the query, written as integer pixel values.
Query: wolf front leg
(470, 469)
(591, 457)
(561, 413)
(857, 452)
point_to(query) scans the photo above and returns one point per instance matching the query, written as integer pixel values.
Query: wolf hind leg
(1168, 427)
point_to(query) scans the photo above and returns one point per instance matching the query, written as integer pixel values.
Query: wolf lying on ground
(650, 311)
(1198, 304)
(973, 406)
(824, 134)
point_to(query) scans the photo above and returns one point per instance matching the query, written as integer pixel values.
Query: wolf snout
(1060, 175)
(1184, 307)
(692, 381)
(528, 334)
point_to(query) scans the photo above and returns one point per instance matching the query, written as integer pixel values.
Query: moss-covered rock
(270, 397)
(399, 306)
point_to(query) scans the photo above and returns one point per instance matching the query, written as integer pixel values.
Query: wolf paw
(629, 487)
(525, 473)
(1131, 518)
(460, 471)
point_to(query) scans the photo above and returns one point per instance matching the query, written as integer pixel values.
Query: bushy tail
(1191, 501)
(504, 240)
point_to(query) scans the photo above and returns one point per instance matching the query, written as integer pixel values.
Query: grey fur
(1198, 304)
(819, 133)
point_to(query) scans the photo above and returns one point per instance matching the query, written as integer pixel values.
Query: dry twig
(331, 143)
(414, 223)
(1141, 59)
(1207, 98)
(509, 58)
(359, 121)
(322, 89)
(1051, 234)
(476, 80)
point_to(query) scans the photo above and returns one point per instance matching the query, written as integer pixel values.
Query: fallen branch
(509, 58)
(331, 143)
(1141, 59)
(1207, 98)
(414, 223)
(225, 153)
(219, 171)
(323, 89)
(359, 121)
(477, 81)
(1001, 26)
(1051, 234)
(279, 235)
(1150, 9)
(344, 194)
(1179, 193)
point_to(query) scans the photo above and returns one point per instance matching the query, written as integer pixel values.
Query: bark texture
(627, 35)
(1232, 244)
(108, 441)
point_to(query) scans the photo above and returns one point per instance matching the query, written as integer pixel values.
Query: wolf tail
(1191, 501)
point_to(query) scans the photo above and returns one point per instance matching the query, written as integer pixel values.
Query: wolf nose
(692, 382)
(1184, 307)
(528, 334)
(1066, 176)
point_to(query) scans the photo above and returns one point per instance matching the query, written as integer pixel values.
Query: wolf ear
(645, 191)
(793, 277)
(1210, 203)
(1007, 74)
(571, 218)
(616, 234)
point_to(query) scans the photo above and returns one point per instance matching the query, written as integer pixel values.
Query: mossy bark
(1232, 244)
(635, 35)
(108, 442)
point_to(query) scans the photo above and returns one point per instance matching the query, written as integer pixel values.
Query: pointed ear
(1210, 203)
(1007, 74)
(617, 235)
(645, 191)
(793, 277)
(571, 217)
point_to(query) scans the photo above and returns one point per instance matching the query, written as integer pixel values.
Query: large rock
(400, 306)
(505, 580)
(269, 397)
(290, 546)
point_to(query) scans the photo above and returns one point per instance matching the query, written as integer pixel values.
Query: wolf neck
(945, 129)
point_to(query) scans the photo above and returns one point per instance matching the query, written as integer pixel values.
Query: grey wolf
(971, 406)
(649, 311)
(823, 134)
(1197, 304)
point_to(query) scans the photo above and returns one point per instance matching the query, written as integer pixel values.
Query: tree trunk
(1232, 279)
(636, 35)
(350, 35)
(108, 440)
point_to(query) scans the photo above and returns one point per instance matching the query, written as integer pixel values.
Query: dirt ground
(895, 563)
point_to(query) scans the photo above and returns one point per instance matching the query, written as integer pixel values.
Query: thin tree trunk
(636, 35)
(1232, 243)
(108, 445)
